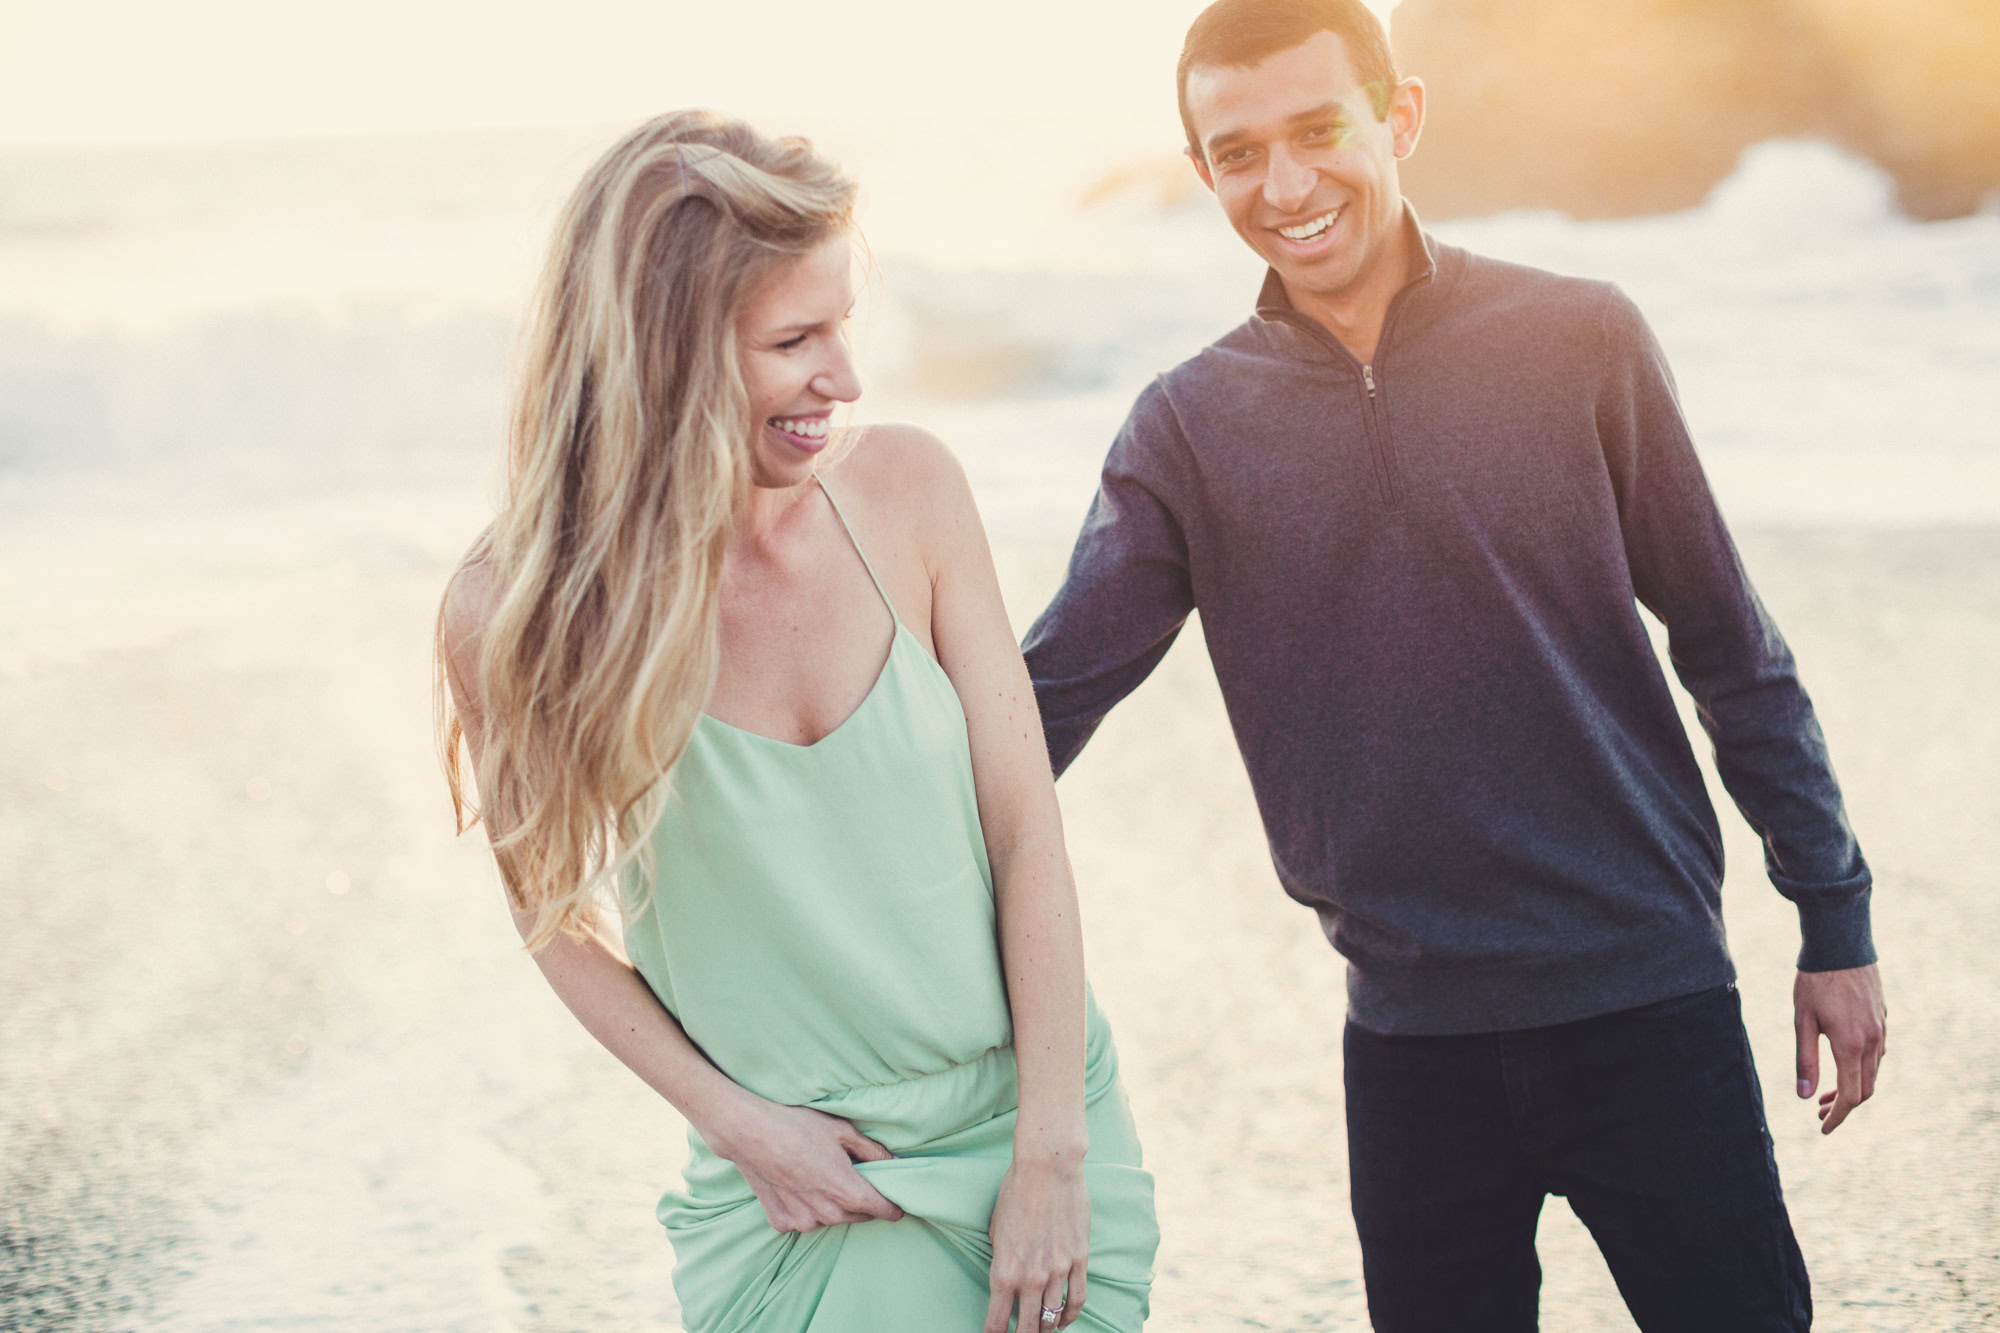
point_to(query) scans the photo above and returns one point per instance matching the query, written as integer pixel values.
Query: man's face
(1304, 169)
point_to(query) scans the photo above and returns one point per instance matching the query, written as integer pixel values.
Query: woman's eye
(798, 340)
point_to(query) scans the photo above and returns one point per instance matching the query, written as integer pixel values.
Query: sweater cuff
(1834, 928)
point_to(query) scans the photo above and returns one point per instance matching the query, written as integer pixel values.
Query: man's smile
(1305, 231)
(1311, 237)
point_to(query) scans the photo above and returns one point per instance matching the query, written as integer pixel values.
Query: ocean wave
(265, 393)
(1816, 334)
(955, 334)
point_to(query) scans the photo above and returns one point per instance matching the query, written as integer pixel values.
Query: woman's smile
(808, 433)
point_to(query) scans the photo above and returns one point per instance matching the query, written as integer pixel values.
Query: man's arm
(1769, 750)
(1127, 592)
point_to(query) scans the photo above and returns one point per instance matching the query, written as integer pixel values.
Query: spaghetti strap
(855, 541)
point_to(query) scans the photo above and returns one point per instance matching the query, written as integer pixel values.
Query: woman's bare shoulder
(905, 471)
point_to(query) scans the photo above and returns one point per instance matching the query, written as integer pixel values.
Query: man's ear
(1200, 165)
(1406, 116)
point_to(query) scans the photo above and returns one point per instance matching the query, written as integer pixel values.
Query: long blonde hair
(628, 469)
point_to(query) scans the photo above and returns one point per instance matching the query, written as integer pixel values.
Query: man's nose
(1288, 183)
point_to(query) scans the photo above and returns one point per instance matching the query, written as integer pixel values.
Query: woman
(775, 701)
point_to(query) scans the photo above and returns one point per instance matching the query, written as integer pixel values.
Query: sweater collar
(1272, 303)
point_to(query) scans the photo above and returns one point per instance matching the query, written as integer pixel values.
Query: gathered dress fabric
(821, 922)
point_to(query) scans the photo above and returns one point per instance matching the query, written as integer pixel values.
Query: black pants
(1649, 1121)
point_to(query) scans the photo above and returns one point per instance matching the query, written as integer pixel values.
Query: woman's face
(791, 342)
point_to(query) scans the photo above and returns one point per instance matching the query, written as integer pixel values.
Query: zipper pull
(1368, 378)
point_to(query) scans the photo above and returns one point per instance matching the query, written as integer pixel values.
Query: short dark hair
(1239, 33)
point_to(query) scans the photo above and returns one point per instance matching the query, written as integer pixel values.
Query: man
(1418, 498)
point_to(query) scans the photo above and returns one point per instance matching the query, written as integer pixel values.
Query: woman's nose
(837, 378)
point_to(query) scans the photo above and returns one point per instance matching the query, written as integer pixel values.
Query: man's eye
(1234, 157)
(1325, 133)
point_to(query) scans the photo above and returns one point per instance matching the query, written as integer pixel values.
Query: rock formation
(1605, 108)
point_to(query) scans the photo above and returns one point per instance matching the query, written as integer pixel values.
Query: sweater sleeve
(1727, 652)
(1127, 592)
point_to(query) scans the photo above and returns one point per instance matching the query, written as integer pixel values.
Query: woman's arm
(1041, 1225)
(799, 1162)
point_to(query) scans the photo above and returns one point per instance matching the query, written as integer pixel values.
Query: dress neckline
(896, 637)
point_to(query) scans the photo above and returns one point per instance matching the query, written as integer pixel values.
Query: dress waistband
(908, 1113)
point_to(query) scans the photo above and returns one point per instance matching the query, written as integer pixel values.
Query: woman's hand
(1041, 1245)
(800, 1162)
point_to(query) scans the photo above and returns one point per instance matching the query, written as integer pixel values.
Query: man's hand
(1846, 1008)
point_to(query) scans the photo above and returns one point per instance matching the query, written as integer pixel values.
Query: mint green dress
(822, 925)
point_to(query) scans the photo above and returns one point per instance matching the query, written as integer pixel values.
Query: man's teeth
(811, 427)
(1305, 231)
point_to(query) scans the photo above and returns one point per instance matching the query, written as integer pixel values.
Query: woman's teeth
(1305, 231)
(812, 428)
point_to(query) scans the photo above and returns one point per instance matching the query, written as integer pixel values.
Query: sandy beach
(272, 1058)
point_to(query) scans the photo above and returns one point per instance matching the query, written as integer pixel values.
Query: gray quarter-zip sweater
(1419, 581)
